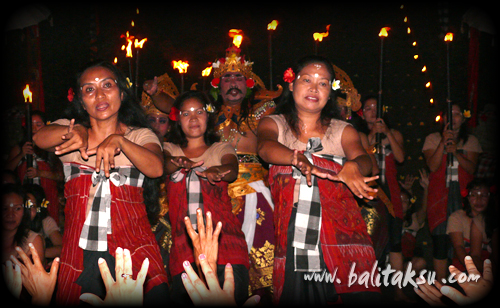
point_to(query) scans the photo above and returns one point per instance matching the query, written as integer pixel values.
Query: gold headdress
(166, 85)
(233, 62)
(353, 99)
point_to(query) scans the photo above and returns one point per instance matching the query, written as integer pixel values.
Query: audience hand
(474, 290)
(39, 284)
(213, 295)
(205, 241)
(125, 290)
(13, 280)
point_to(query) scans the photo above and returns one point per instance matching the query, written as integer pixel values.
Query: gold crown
(232, 63)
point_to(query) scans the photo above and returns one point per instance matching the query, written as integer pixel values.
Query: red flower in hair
(174, 114)
(71, 94)
(215, 82)
(464, 192)
(289, 75)
(250, 83)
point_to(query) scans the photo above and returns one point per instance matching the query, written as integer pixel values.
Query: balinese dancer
(448, 178)
(110, 159)
(241, 100)
(199, 168)
(318, 163)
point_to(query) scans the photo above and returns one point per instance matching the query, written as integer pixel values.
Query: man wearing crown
(241, 100)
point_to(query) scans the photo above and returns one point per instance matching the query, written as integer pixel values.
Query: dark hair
(130, 114)
(286, 103)
(39, 194)
(490, 213)
(361, 124)
(24, 227)
(41, 114)
(475, 183)
(177, 136)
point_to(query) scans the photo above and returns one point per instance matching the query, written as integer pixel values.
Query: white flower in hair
(335, 84)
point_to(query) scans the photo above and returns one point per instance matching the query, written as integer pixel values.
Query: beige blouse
(211, 157)
(331, 141)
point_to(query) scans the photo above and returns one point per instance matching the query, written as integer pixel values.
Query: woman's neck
(310, 124)
(102, 129)
(195, 147)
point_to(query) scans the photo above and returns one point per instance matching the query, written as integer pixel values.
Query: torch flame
(319, 36)
(383, 32)
(237, 36)
(129, 49)
(206, 72)
(272, 25)
(181, 66)
(27, 94)
(448, 37)
(138, 44)
(129, 45)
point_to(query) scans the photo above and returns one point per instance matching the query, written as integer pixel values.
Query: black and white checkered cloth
(193, 189)
(97, 224)
(308, 218)
(452, 171)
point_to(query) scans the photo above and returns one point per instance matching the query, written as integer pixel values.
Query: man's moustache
(237, 89)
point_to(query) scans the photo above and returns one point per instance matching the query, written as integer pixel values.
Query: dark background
(75, 34)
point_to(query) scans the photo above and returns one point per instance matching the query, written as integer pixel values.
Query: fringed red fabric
(437, 198)
(131, 230)
(232, 245)
(344, 239)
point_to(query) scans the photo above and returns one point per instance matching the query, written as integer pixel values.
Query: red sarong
(232, 245)
(343, 237)
(131, 230)
(437, 198)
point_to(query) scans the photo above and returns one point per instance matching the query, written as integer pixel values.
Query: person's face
(12, 211)
(370, 110)
(36, 123)
(100, 93)
(233, 88)
(159, 123)
(457, 117)
(479, 198)
(193, 118)
(311, 89)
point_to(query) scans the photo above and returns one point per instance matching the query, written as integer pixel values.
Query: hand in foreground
(12, 277)
(474, 290)
(125, 290)
(206, 240)
(76, 139)
(213, 295)
(39, 284)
